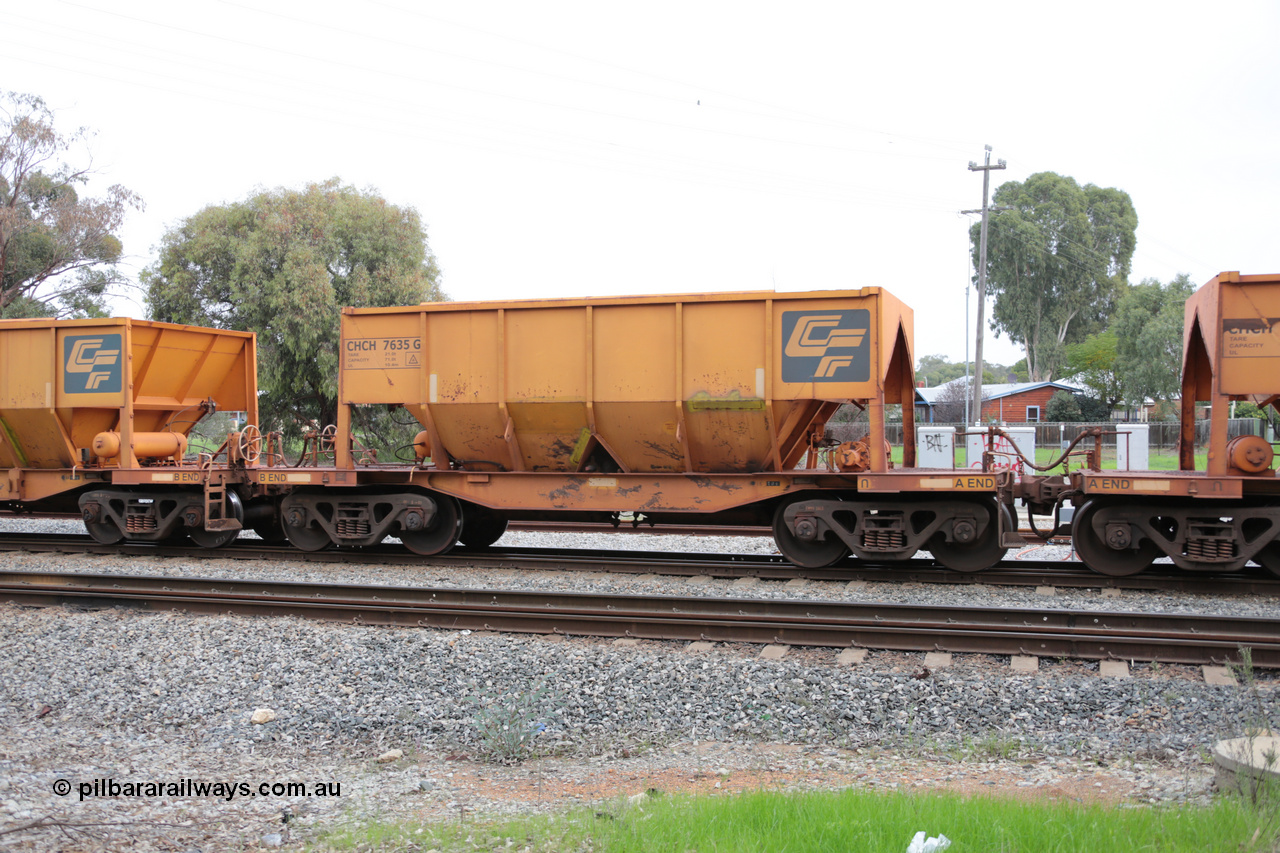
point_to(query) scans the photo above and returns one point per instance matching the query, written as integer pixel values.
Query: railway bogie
(962, 534)
(160, 515)
(1118, 537)
(427, 523)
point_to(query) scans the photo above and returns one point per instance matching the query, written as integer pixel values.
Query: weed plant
(508, 725)
(1262, 789)
(1258, 718)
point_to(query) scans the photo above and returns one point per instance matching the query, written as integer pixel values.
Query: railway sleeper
(1222, 542)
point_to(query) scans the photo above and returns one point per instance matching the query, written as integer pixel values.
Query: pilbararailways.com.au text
(184, 788)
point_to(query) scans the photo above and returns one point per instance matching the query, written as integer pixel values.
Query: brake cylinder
(1251, 454)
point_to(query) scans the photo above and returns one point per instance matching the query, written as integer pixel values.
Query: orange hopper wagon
(95, 415)
(703, 408)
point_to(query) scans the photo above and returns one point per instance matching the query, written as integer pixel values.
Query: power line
(419, 80)
(954, 145)
(496, 135)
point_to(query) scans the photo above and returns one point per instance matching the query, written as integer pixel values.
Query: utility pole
(985, 169)
(967, 388)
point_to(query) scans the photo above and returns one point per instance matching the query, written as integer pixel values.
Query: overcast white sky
(565, 149)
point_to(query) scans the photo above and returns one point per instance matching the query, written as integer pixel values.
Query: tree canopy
(57, 249)
(1063, 406)
(1148, 325)
(283, 264)
(1056, 262)
(1092, 362)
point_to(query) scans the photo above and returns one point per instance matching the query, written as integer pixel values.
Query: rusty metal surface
(1093, 635)
(1160, 485)
(1231, 350)
(927, 481)
(646, 493)
(1236, 316)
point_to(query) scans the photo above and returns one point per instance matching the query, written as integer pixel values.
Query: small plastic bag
(920, 844)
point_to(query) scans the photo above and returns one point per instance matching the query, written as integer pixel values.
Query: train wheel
(105, 532)
(804, 553)
(443, 532)
(1102, 558)
(308, 538)
(976, 556)
(481, 528)
(218, 538)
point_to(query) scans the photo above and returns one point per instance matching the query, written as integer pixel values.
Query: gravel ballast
(161, 698)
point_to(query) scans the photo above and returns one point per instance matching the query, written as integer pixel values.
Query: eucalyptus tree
(1058, 257)
(1148, 325)
(58, 248)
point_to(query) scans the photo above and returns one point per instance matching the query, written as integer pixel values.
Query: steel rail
(1012, 572)
(522, 526)
(1172, 638)
(1058, 573)
(642, 528)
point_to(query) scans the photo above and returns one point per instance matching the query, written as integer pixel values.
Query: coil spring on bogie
(139, 523)
(1211, 549)
(884, 540)
(352, 528)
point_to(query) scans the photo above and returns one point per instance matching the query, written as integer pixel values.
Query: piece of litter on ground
(921, 844)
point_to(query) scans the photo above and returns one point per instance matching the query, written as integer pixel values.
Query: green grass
(1155, 462)
(844, 821)
(1045, 455)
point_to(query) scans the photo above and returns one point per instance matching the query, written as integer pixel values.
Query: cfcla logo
(826, 347)
(92, 363)
(816, 334)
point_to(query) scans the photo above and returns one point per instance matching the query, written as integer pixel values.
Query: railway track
(1067, 574)
(522, 526)
(1055, 633)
